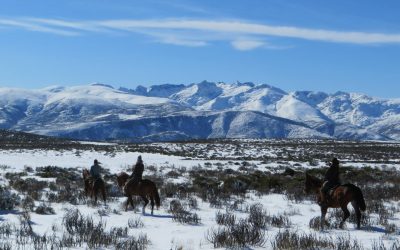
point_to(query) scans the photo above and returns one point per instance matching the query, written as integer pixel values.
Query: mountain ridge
(217, 109)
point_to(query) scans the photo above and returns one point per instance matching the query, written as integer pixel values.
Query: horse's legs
(129, 200)
(323, 213)
(358, 213)
(146, 201)
(152, 204)
(346, 215)
(95, 195)
(87, 187)
(103, 192)
(92, 191)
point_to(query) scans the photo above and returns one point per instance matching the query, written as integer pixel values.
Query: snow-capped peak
(214, 109)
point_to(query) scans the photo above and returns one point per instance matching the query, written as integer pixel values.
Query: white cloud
(238, 27)
(246, 44)
(63, 24)
(183, 42)
(36, 27)
(201, 32)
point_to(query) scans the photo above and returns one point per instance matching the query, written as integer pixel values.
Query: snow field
(162, 231)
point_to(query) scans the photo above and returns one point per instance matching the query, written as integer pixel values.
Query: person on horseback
(95, 170)
(138, 170)
(93, 181)
(331, 180)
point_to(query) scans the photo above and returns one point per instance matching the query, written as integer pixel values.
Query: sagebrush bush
(315, 223)
(58, 172)
(6, 246)
(8, 200)
(391, 228)
(25, 226)
(379, 245)
(30, 186)
(192, 203)
(258, 216)
(291, 240)
(28, 203)
(135, 223)
(280, 221)
(181, 215)
(133, 243)
(225, 219)
(71, 193)
(44, 208)
(173, 190)
(81, 229)
(246, 233)
(344, 242)
(237, 235)
(6, 229)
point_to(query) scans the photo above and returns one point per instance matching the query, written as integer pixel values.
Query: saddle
(136, 183)
(331, 190)
(92, 180)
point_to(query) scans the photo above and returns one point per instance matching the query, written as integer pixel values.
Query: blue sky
(294, 45)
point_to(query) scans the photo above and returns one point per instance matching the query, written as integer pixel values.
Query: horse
(146, 189)
(341, 196)
(93, 188)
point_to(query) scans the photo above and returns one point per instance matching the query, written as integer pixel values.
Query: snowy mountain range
(197, 111)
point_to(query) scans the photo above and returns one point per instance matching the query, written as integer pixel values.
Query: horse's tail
(125, 188)
(359, 197)
(85, 173)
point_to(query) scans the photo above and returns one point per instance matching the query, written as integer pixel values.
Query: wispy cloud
(32, 26)
(247, 44)
(63, 24)
(201, 32)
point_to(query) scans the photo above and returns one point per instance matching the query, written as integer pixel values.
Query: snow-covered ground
(160, 228)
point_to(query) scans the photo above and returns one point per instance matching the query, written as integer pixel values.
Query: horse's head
(85, 173)
(121, 179)
(86, 179)
(312, 184)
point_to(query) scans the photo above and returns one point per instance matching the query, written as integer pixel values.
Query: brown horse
(341, 196)
(146, 189)
(93, 188)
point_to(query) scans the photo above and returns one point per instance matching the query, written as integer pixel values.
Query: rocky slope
(202, 110)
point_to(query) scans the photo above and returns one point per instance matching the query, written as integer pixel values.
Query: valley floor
(210, 181)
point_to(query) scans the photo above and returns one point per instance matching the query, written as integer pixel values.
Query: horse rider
(138, 170)
(95, 170)
(331, 180)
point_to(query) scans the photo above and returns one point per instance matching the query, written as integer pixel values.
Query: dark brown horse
(93, 188)
(146, 189)
(341, 196)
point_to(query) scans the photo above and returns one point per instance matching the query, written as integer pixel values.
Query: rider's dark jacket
(331, 178)
(95, 171)
(332, 174)
(138, 170)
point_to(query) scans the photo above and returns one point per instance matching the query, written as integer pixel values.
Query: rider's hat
(335, 162)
